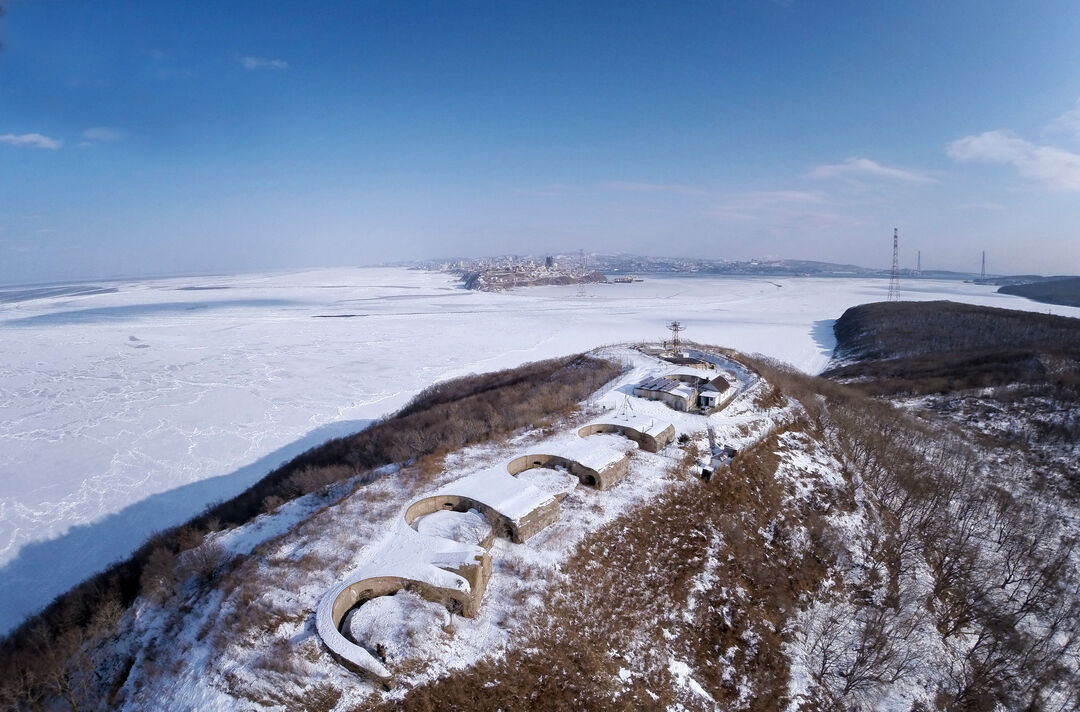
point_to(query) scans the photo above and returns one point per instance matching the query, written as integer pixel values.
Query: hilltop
(881, 539)
(1064, 291)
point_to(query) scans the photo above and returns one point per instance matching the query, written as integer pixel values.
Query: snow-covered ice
(124, 412)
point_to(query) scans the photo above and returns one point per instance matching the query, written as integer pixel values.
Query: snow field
(129, 411)
(415, 637)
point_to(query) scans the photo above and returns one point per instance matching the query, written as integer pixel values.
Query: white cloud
(30, 140)
(864, 167)
(263, 63)
(1068, 123)
(101, 134)
(1048, 165)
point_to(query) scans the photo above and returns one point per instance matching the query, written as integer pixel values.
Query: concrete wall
(537, 520)
(648, 443)
(665, 436)
(501, 525)
(671, 400)
(465, 603)
(588, 476)
(690, 378)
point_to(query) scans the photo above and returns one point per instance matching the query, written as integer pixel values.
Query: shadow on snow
(43, 570)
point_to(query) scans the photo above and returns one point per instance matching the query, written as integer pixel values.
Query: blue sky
(142, 138)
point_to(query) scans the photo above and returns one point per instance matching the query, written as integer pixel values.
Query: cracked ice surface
(124, 412)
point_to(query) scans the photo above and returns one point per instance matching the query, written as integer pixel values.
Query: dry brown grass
(447, 417)
(635, 598)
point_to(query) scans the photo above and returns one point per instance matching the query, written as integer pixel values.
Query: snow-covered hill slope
(127, 409)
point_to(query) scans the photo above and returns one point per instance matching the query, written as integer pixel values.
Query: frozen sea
(126, 408)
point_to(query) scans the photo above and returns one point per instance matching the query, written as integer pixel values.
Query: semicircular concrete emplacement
(339, 601)
(501, 525)
(586, 475)
(645, 440)
(348, 595)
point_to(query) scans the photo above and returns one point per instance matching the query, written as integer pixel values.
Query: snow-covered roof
(640, 423)
(597, 452)
(668, 385)
(498, 489)
(658, 383)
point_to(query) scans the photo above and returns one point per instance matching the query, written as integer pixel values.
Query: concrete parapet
(601, 479)
(646, 441)
(501, 525)
(350, 594)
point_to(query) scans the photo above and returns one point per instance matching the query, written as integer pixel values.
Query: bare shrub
(158, 579)
(203, 561)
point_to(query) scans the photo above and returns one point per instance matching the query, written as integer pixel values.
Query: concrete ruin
(444, 571)
(649, 435)
(455, 574)
(601, 478)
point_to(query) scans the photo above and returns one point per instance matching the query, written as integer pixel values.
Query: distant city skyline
(151, 138)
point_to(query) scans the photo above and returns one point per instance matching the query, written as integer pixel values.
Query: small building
(720, 457)
(708, 397)
(685, 392)
(673, 393)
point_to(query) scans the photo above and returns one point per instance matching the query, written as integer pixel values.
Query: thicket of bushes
(939, 347)
(886, 330)
(1003, 594)
(47, 658)
(1052, 291)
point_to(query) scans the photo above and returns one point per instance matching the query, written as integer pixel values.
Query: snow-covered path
(128, 411)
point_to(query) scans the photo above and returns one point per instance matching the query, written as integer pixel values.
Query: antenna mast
(894, 277)
(675, 327)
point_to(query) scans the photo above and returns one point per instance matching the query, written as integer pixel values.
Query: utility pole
(894, 278)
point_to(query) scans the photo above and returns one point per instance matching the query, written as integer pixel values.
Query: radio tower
(675, 327)
(894, 278)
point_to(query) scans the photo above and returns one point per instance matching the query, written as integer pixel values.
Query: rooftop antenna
(894, 278)
(984, 265)
(675, 327)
